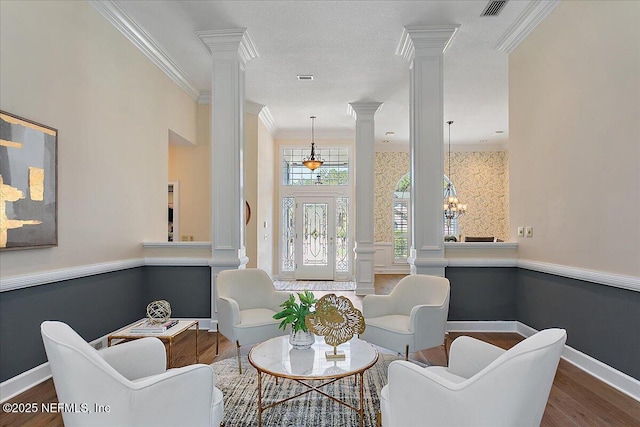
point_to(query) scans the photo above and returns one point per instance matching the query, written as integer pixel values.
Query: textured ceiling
(349, 47)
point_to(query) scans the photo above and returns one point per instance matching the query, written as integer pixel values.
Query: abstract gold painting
(28, 184)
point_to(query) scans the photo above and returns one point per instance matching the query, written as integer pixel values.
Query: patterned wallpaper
(481, 180)
(389, 167)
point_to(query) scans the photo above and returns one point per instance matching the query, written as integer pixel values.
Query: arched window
(402, 212)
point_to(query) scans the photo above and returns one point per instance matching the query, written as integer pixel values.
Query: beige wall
(575, 137)
(63, 65)
(481, 180)
(189, 165)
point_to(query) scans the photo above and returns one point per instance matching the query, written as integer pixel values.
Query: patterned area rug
(325, 286)
(312, 409)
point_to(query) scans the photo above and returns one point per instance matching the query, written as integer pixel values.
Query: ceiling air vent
(494, 8)
(305, 77)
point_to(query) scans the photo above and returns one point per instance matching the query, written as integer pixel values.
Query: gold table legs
(311, 387)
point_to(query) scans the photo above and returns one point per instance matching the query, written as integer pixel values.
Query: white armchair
(132, 379)
(412, 317)
(247, 301)
(483, 386)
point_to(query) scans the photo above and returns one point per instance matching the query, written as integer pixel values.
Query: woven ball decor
(159, 311)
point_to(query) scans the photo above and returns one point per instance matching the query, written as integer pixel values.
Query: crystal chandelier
(453, 209)
(312, 162)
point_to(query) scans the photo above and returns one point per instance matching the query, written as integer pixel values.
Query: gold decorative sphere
(159, 311)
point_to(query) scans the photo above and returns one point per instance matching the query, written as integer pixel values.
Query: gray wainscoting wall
(94, 306)
(188, 289)
(601, 321)
(482, 293)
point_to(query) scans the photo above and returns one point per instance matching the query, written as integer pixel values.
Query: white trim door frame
(315, 235)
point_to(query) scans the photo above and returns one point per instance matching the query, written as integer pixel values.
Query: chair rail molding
(599, 277)
(45, 277)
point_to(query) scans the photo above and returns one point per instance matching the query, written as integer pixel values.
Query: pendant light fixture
(313, 162)
(453, 209)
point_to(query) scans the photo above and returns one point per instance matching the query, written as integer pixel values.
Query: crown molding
(425, 37)
(252, 107)
(364, 108)
(263, 113)
(535, 13)
(230, 40)
(119, 18)
(267, 119)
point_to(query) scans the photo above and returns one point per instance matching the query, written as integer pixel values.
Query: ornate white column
(230, 51)
(424, 46)
(364, 250)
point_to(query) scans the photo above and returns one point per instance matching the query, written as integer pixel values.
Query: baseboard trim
(23, 382)
(605, 373)
(482, 326)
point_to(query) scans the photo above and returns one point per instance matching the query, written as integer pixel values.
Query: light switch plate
(528, 231)
(520, 231)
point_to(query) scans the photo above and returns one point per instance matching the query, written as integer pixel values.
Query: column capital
(229, 40)
(363, 109)
(425, 38)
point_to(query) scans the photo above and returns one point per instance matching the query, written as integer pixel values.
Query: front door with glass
(315, 233)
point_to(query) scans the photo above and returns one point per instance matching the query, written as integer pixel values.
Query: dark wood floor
(577, 399)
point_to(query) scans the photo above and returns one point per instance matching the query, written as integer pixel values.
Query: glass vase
(301, 340)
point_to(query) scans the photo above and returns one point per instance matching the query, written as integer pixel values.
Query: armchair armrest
(407, 388)
(228, 317)
(277, 298)
(429, 324)
(376, 306)
(468, 356)
(138, 358)
(190, 388)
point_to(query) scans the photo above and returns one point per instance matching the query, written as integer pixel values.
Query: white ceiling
(349, 47)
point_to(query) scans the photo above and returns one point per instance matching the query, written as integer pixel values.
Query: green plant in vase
(294, 313)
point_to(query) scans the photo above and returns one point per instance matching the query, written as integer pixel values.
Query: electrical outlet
(528, 231)
(520, 231)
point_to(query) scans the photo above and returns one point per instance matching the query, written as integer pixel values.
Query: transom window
(334, 170)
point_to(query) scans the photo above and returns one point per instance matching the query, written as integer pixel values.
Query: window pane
(288, 233)
(342, 234)
(400, 229)
(334, 170)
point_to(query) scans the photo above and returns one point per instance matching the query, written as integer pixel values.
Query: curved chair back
(418, 289)
(80, 375)
(518, 382)
(512, 390)
(250, 287)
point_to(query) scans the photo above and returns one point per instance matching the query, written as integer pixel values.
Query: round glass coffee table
(278, 358)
